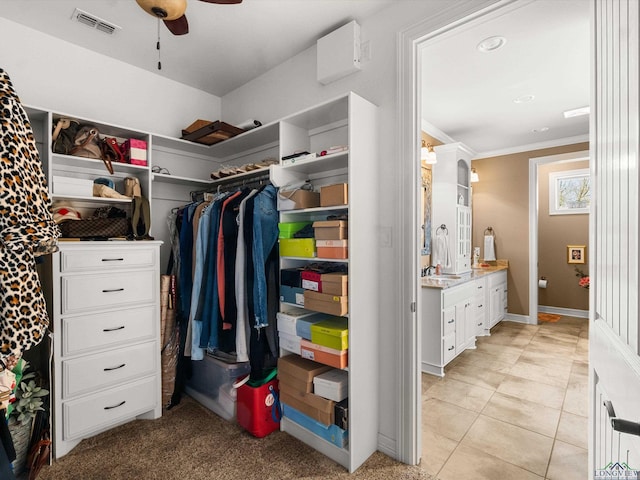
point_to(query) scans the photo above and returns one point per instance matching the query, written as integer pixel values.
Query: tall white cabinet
(452, 202)
(347, 120)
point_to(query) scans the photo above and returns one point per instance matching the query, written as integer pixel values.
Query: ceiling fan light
(164, 9)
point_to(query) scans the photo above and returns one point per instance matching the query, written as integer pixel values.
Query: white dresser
(105, 308)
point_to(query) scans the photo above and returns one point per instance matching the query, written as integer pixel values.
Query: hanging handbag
(87, 144)
(111, 150)
(64, 135)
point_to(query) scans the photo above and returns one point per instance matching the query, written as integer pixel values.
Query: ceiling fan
(171, 12)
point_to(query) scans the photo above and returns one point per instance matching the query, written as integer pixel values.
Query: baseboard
(515, 317)
(569, 312)
(387, 446)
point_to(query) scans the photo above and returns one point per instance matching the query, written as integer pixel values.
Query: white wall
(55, 75)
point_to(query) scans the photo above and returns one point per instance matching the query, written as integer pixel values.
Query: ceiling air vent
(92, 21)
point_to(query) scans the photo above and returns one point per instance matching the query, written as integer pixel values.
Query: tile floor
(513, 408)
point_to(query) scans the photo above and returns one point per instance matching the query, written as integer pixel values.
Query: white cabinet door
(463, 248)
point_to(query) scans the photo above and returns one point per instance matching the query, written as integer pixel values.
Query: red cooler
(258, 408)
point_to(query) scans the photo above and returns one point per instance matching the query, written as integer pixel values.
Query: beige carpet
(191, 442)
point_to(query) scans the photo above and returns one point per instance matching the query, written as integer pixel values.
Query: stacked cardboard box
(295, 375)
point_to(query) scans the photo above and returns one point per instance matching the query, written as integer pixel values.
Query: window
(569, 192)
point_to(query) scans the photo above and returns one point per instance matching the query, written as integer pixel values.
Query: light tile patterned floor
(515, 408)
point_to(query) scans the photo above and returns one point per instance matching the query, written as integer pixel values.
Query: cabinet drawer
(87, 333)
(101, 410)
(448, 348)
(448, 321)
(95, 292)
(106, 259)
(91, 372)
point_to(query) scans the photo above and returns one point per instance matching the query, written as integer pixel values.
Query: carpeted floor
(191, 442)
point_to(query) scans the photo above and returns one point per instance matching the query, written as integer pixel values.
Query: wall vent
(92, 21)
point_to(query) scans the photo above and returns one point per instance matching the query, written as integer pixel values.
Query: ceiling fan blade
(179, 26)
(222, 2)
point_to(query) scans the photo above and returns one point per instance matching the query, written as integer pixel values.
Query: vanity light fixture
(428, 154)
(474, 176)
(491, 44)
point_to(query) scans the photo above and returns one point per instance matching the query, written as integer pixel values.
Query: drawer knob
(113, 329)
(113, 259)
(108, 369)
(116, 406)
(113, 290)
(452, 320)
(450, 348)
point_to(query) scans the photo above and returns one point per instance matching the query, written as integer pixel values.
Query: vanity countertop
(452, 280)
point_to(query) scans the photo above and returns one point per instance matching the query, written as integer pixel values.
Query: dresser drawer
(106, 259)
(86, 333)
(101, 410)
(96, 292)
(88, 373)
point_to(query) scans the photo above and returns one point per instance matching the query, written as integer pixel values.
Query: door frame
(534, 164)
(410, 41)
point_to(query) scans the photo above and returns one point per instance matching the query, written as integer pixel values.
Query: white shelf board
(319, 164)
(70, 198)
(73, 161)
(339, 455)
(175, 179)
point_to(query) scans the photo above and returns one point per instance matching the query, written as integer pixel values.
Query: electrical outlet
(384, 236)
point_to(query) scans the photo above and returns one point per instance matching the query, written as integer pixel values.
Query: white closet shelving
(348, 120)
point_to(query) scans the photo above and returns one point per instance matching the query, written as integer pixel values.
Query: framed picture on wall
(569, 192)
(576, 254)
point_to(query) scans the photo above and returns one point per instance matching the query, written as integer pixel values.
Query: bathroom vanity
(454, 313)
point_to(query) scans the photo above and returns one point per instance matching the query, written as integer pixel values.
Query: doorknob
(620, 425)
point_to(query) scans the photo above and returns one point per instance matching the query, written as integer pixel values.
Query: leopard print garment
(27, 229)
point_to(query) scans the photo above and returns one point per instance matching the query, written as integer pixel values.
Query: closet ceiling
(227, 45)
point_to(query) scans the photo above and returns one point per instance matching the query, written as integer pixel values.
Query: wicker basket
(20, 434)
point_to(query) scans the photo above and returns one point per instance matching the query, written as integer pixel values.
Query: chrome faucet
(426, 271)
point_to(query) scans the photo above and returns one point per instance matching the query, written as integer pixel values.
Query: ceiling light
(540, 130)
(524, 99)
(474, 176)
(577, 112)
(428, 154)
(491, 43)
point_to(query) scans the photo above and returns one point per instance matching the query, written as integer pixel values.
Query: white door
(614, 302)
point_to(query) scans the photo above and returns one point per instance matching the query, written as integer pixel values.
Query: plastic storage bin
(211, 384)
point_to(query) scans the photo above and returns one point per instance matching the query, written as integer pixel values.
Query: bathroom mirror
(426, 209)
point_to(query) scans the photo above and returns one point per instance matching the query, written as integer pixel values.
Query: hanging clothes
(27, 229)
(233, 275)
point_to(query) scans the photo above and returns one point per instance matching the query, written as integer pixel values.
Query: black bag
(64, 135)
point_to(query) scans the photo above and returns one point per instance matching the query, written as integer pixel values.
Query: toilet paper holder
(542, 283)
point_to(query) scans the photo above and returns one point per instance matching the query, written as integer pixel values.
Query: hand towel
(441, 253)
(489, 248)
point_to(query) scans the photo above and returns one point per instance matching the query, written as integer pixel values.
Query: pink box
(135, 151)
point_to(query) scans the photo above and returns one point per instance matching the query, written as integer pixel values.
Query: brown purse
(87, 144)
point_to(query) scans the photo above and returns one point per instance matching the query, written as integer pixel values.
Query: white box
(288, 319)
(333, 385)
(289, 342)
(77, 187)
(338, 53)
